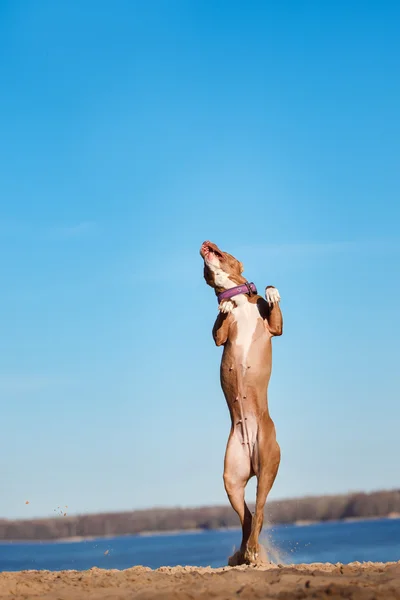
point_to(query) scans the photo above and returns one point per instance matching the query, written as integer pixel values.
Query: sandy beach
(367, 581)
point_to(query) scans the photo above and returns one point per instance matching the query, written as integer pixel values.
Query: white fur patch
(272, 295)
(246, 316)
(221, 278)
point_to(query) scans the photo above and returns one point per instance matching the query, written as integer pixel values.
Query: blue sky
(131, 132)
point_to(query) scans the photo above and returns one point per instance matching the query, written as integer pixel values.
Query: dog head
(222, 271)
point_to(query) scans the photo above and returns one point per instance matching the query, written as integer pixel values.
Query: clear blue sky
(131, 132)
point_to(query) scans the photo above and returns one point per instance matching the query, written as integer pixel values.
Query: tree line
(314, 509)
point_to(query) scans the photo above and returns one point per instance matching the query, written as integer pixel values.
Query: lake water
(324, 542)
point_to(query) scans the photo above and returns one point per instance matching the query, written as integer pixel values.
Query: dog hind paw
(236, 559)
(256, 557)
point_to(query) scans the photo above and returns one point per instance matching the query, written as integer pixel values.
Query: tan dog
(245, 326)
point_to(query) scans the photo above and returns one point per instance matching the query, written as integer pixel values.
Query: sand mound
(367, 581)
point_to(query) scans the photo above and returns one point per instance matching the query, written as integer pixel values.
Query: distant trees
(324, 508)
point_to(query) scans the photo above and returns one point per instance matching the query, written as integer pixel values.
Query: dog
(245, 326)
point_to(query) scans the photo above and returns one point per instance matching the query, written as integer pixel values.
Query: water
(323, 542)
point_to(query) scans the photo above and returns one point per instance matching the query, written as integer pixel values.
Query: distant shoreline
(169, 521)
(172, 532)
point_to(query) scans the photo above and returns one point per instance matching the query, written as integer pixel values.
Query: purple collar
(244, 288)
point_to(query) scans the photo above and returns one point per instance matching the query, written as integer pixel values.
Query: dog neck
(244, 288)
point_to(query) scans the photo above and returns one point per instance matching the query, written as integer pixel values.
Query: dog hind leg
(237, 472)
(269, 459)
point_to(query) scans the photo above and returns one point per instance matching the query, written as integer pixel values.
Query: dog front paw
(226, 306)
(272, 295)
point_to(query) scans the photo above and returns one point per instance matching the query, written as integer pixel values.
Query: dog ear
(241, 267)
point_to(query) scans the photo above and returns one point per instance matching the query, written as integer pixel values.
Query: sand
(367, 581)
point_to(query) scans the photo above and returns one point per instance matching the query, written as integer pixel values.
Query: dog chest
(246, 316)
